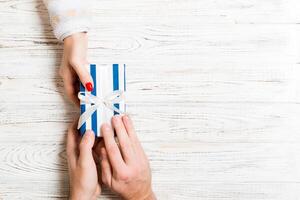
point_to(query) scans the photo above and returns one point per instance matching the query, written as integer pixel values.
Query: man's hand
(74, 64)
(82, 168)
(125, 168)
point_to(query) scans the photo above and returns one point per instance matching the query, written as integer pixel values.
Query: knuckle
(83, 165)
(127, 174)
(124, 176)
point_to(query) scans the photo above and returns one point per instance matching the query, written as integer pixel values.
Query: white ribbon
(87, 98)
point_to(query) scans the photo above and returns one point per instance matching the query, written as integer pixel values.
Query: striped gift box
(107, 79)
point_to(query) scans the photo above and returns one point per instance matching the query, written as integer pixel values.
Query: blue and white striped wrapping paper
(106, 79)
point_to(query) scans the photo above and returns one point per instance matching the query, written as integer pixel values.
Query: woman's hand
(124, 169)
(84, 184)
(74, 64)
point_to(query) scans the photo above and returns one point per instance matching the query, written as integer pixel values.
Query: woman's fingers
(76, 55)
(112, 148)
(84, 75)
(85, 148)
(71, 84)
(124, 141)
(72, 148)
(72, 92)
(106, 174)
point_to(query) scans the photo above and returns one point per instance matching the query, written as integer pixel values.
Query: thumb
(85, 147)
(84, 75)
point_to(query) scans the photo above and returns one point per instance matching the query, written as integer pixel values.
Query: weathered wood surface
(214, 90)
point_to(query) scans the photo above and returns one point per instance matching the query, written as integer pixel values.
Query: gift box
(106, 99)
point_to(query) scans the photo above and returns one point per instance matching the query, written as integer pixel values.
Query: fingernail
(125, 117)
(106, 127)
(89, 86)
(89, 133)
(117, 117)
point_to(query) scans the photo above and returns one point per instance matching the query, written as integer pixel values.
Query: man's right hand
(124, 168)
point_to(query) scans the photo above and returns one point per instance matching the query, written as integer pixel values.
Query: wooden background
(214, 90)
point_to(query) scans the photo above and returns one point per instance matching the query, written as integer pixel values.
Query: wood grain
(213, 88)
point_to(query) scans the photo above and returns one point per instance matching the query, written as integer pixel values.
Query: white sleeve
(68, 17)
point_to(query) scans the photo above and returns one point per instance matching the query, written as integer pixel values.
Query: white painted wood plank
(166, 85)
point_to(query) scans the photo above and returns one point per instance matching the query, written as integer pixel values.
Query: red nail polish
(89, 86)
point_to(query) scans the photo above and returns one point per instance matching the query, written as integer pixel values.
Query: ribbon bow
(87, 98)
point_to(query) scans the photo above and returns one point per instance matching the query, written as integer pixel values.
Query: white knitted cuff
(71, 26)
